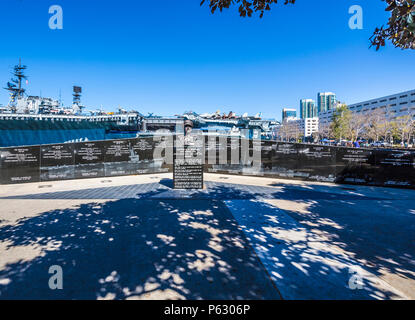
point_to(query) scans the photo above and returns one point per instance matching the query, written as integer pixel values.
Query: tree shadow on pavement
(379, 234)
(129, 248)
(164, 243)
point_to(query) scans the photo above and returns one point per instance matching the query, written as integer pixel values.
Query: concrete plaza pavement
(241, 238)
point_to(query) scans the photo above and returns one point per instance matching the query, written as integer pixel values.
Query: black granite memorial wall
(380, 167)
(377, 167)
(79, 160)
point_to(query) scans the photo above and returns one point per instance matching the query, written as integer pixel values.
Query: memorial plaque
(394, 158)
(354, 165)
(286, 156)
(19, 165)
(268, 149)
(57, 155)
(117, 158)
(188, 163)
(57, 162)
(89, 152)
(315, 162)
(187, 176)
(353, 156)
(89, 159)
(394, 167)
(143, 148)
(282, 159)
(117, 151)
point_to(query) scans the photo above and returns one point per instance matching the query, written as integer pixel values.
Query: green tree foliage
(340, 126)
(246, 7)
(400, 28)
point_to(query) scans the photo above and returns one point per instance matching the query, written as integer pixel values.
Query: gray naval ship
(35, 120)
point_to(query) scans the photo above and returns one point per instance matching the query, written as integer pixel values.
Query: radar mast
(77, 98)
(15, 87)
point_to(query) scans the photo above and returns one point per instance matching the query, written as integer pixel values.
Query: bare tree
(283, 131)
(289, 131)
(376, 124)
(412, 131)
(404, 127)
(357, 126)
(372, 124)
(324, 131)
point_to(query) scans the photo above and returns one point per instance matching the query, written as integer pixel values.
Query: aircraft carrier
(36, 120)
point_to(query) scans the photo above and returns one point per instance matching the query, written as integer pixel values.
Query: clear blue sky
(170, 56)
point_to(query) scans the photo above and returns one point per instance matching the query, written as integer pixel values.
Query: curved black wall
(135, 156)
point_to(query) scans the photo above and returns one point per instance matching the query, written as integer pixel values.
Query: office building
(309, 126)
(288, 114)
(393, 106)
(325, 101)
(307, 109)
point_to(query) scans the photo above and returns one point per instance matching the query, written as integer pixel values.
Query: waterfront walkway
(240, 238)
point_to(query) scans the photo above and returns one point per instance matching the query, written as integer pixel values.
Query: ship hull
(47, 131)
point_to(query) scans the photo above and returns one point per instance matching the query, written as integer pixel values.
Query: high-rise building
(325, 101)
(288, 114)
(307, 109)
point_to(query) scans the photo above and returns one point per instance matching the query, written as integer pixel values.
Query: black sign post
(188, 163)
(187, 176)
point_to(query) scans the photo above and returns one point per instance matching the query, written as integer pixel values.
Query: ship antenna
(15, 87)
(77, 97)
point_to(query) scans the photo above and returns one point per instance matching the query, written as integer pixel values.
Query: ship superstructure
(232, 124)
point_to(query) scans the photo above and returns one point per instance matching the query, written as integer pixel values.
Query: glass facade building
(308, 109)
(288, 114)
(325, 101)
